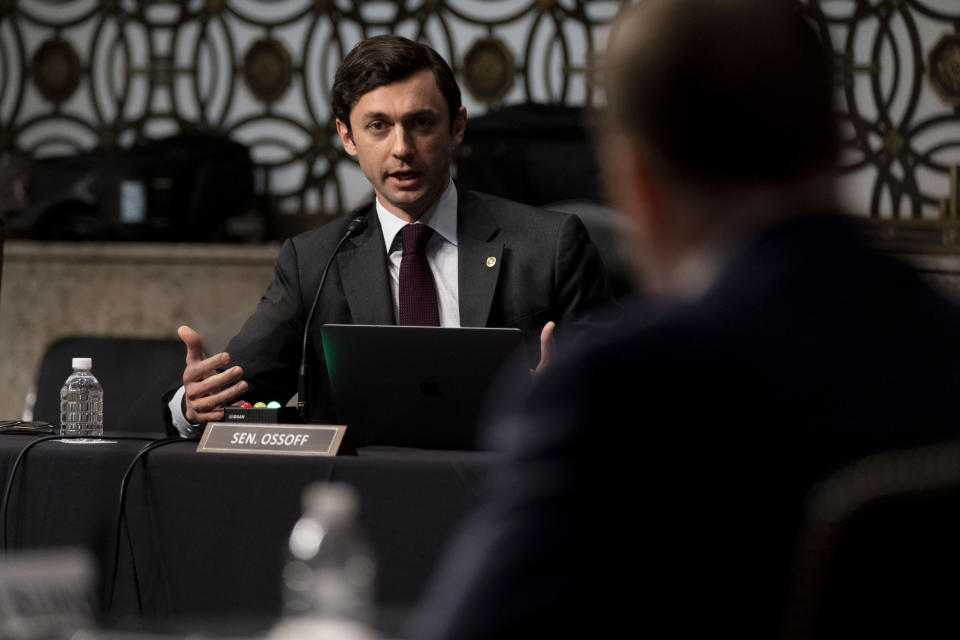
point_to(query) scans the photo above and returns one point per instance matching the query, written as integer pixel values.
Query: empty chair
(880, 556)
(601, 223)
(134, 373)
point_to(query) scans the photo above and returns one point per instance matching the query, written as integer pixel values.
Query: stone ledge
(139, 253)
(932, 263)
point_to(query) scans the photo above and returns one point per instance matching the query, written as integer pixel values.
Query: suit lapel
(363, 271)
(479, 259)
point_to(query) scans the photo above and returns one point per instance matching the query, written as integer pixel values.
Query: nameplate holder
(274, 439)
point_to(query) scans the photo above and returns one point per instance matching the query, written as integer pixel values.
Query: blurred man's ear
(635, 189)
(638, 193)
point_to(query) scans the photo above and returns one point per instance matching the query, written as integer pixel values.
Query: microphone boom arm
(356, 226)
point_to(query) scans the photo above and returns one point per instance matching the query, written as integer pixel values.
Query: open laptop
(420, 387)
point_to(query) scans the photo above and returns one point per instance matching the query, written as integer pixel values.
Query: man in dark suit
(654, 481)
(491, 262)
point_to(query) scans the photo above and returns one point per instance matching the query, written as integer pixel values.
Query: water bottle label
(81, 411)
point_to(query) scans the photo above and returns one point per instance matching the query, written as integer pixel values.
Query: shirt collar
(441, 217)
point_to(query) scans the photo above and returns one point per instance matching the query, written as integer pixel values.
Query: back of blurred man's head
(723, 90)
(719, 120)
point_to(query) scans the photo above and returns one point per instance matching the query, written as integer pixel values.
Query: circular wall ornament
(488, 70)
(267, 70)
(943, 68)
(56, 70)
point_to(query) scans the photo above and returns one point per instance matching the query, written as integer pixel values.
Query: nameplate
(277, 439)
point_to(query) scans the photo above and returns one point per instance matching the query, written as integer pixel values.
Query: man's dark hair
(736, 91)
(385, 59)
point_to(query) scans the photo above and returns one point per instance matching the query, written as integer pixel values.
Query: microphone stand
(356, 226)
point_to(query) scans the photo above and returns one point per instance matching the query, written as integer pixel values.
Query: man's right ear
(633, 185)
(346, 137)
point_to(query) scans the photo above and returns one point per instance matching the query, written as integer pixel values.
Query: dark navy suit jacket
(655, 480)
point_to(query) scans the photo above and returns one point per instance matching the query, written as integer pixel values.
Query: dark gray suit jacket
(546, 269)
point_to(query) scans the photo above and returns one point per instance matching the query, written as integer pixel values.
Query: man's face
(401, 135)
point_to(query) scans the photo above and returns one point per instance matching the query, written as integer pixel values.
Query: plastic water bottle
(81, 402)
(328, 579)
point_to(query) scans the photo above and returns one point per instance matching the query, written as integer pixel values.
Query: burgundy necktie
(418, 293)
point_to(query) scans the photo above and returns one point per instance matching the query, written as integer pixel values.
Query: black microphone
(356, 226)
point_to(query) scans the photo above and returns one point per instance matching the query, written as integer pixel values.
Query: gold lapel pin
(491, 261)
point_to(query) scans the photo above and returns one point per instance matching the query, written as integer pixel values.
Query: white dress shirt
(441, 256)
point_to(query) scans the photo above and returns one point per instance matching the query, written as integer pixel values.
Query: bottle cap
(334, 502)
(84, 364)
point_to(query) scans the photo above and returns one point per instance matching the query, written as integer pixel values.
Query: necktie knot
(414, 238)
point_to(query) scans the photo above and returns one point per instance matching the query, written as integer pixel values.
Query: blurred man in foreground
(655, 480)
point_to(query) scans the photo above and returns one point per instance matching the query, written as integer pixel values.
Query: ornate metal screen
(80, 74)
(898, 87)
(77, 74)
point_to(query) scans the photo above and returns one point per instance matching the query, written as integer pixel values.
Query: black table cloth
(206, 533)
